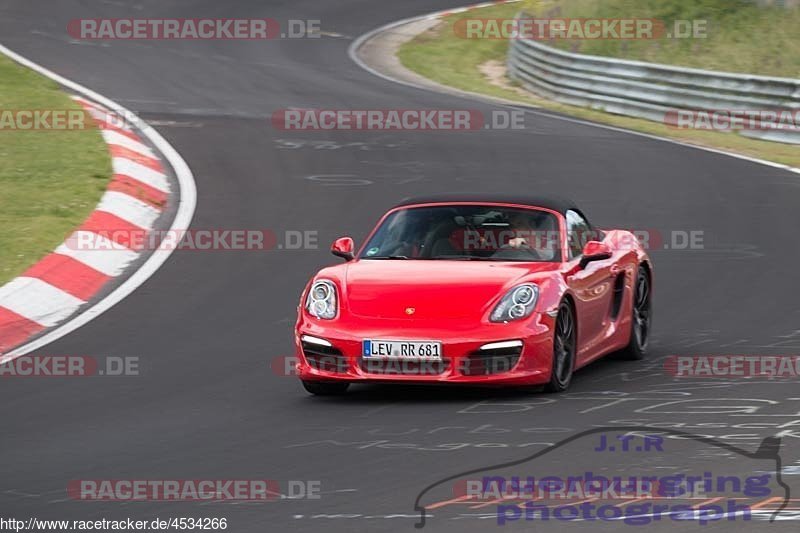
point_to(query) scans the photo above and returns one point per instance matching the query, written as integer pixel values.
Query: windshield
(467, 232)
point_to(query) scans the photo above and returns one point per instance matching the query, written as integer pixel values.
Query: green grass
(740, 36)
(439, 54)
(49, 180)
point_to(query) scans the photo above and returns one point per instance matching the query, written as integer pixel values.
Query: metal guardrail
(649, 90)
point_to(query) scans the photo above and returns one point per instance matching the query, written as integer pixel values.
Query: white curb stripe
(148, 176)
(114, 137)
(109, 121)
(105, 256)
(38, 301)
(129, 209)
(93, 105)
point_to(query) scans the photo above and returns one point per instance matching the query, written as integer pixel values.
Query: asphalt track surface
(207, 325)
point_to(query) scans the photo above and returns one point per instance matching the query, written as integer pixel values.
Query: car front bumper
(332, 351)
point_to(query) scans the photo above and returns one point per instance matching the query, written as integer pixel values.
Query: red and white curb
(62, 282)
(50, 293)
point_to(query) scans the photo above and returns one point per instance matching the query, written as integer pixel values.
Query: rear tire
(564, 349)
(641, 318)
(326, 388)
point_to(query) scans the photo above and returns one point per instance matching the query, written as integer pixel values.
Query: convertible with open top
(475, 289)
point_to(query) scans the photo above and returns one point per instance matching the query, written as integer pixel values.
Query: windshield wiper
(387, 257)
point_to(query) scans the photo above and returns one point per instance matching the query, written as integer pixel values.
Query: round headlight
(321, 301)
(320, 292)
(523, 295)
(517, 311)
(519, 302)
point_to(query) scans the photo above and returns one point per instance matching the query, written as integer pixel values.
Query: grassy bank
(49, 180)
(735, 35)
(441, 55)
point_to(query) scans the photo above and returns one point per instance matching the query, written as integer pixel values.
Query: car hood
(417, 289)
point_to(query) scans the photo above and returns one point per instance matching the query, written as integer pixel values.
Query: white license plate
(416, 350)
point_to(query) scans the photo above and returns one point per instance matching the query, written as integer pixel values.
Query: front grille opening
(325, 358)
(403, 367)
(487, 362)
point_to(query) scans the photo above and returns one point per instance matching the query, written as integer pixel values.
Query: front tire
(326, 388)
(641, 318)
(564, 349)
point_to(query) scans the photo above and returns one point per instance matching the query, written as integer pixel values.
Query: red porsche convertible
(470, 289)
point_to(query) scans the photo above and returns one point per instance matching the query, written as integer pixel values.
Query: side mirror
(343, 247)
(594, 251)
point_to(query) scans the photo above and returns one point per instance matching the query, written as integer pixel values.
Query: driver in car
(528, 232)
(519, 224)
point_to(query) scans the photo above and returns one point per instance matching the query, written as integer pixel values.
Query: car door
(592, 286)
